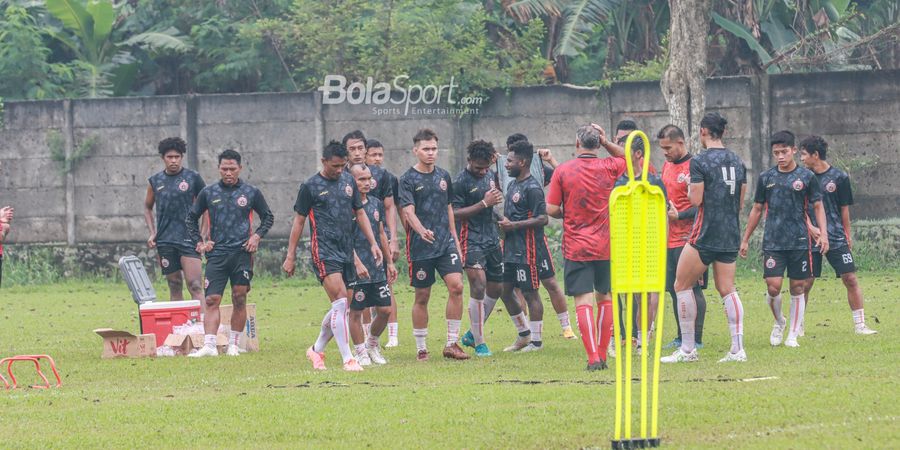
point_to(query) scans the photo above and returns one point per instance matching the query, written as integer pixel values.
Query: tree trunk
(683, 83)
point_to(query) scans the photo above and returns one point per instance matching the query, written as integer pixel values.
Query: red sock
(605, 327)
(586, 327)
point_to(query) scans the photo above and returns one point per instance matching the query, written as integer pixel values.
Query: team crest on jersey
(798, 185)
(373, 184)
(493, 185)
(376, 215)
(770, 263)
(206, 283)
(242, 201)
(359, 296)
(443, 185)
(420, 275)
(830, 187)
(516, 197)
(348, 190)
(682, 178)
(183, 186)
(164, 262)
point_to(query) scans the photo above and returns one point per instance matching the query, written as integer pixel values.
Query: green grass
(837, 391)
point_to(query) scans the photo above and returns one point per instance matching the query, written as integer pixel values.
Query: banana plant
(103, 56)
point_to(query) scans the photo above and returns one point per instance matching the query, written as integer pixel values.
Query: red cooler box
(160, 317)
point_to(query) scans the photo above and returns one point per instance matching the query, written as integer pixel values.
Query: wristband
(484, 203)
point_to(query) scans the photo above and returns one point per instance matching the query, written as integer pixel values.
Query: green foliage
(24, 68)
(633, 71)
(57, 145)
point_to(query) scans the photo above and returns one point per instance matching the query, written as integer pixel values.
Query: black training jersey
(375, 211)
(330, 207)
(479, 230)
(524, 200)
(652, 178)
(717, 226)
(230, 215)
(834, 184)
(787, 196)
(174, 195)
(430, 194)
(382, 187)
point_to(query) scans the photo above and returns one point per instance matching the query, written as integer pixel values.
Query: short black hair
(523, 150)
(480, 150)
(172, 143)
(355, 134)
(637, 145)
(515, 137)
(334, 148)
(361, 166)
(783, 137)
(671, 132)
(230, 154)
(815, 144)
(425, 134)
(626, 125)
(373, 143)
(715, 123)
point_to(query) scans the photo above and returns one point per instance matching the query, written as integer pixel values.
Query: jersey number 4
(729, 178)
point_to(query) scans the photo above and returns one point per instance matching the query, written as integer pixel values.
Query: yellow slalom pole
(616, 333)
(644, 355)
(660, 313)
(629, 321)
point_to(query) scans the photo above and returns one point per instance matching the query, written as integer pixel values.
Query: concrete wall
(280, 136)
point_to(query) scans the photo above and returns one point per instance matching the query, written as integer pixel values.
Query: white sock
(234, 337)
(209, 340)
(325, 334)
(775, 307)
(734, 310)
(421, 335)
(360, 348)
(537, 328)
(476, 319)
(392, 329)
(365, 330)
(339, 328)
(520, 322)
(859, 318)
(798, 310)
(564, 320)
(372, 342)
(453, 331)
(489, 303)
(687, 318)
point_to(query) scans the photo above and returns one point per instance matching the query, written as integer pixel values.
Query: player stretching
(172, 191)
(331, 200)
(718, 185)
(474, 195)
(837, 198)
(372, 286)
(431, 242)
(676, 175)
(375, 160)
(579, 194)
(229, 252)
(786, 192)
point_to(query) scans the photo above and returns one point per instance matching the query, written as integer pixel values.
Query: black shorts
(545, 266)
(708, 257)
(841, 259)
(328, 267)
(522, 276)
(421, 273)
(370, 295)
(582, 277)
(797, 262)
(236, 267)
(672, 257)
(169, 257)
(488, 259)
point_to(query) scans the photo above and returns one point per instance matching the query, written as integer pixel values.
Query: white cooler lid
(170, 305)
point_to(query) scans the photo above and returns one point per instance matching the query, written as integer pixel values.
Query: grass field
(837, 391)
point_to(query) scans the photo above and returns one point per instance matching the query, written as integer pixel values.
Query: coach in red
(579, 194)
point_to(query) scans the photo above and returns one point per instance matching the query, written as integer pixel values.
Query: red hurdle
(37, 365)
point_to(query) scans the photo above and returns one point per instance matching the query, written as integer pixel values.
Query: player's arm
(386, 249)
(361, 271)
(149, 201)
(554, 196)
(755, 214)
(611, 147)
(452, 226)
(266, 220)
(390, 213)
(199, 207)
(822, 241)
(695, 194)
(302, 207)
(547, 158)
(845, 220)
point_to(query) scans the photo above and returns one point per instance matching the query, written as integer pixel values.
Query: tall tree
(683, 82)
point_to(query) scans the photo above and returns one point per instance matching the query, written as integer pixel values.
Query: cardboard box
(184, 344)
(249, 339)
(117, 343)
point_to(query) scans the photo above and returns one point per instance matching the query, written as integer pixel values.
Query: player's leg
(535, 317)
(689, 269)
(192, 268)
(422, 280)
(238, 317)
(380, 299)
(358, 305)
(799, 269)
(700, 298)
(493, 272)
(510, 274)
(724, 269)
(366, 321)
(477, 286)
(336, 289)
(170, 266)
(558, 300)
(671, 265)
(774, 265)
(393, 327)
(454, 283)
(217, 270)
(841, 259)
(579, 283)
